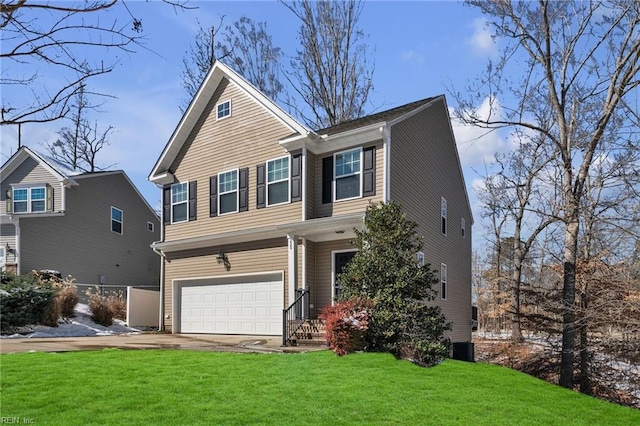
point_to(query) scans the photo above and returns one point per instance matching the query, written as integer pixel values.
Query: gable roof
(384, 116)
(160, 171)
(61, 172)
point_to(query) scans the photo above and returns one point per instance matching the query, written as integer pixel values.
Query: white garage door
(238, 305)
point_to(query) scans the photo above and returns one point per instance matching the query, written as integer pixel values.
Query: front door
(340, 260)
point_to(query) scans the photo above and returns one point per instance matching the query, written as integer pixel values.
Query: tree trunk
(516, 329)
(568, 300)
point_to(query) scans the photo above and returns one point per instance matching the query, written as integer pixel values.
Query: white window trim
(222, 103)
(185, 201)
(150, 228)
(443, 215)
(28, 187)
(288, 180)
(237, 191)
(359, 173)
(444, 281)
(114, 220)
(420, 258)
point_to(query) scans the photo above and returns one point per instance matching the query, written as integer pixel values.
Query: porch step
(311, 333)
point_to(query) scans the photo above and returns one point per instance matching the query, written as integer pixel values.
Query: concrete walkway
(201, 342)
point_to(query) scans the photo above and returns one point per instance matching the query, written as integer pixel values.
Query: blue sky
(421, 49)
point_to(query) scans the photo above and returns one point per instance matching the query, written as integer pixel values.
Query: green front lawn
(188, 387)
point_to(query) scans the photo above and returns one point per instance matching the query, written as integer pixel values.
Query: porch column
(292, 252)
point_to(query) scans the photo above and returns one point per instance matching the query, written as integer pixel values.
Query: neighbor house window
(278, 181)
(443, 281)
(228, 192)
(29, 200)
(462, 226)
(179, 202)
(116, 220)
(150, 226)
(420, 258)
(223, 110)
(443, 214)
(347, 174)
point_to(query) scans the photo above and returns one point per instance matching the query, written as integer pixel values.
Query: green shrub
(346, 325)
(26, 300)
(384, 270)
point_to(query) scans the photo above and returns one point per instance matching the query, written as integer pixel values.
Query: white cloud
(414, 56)
(481, 39)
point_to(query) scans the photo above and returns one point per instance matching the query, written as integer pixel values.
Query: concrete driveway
(201, 342)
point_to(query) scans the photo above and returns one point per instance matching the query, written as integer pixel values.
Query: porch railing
(295, 315)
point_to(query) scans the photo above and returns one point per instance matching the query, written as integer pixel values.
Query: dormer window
(223, 109)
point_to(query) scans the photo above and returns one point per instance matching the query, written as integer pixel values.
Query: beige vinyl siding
(8, 236)
(311, 276)
(251, 257)
(30, 171)
(424, 168)
(245, 139)
(322, 284)
(81, 243)
(348, 206)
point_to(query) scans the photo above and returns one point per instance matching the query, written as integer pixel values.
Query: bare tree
(44, 39)
(331, 72)
(577, 63)
(246, 46)
(79, 144)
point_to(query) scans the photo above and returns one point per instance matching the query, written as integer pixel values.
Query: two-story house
(95, 227)
(258, 207)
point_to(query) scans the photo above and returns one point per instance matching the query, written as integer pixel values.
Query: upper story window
(462, 227)
(228, 192)
(223, 110)
(443, 214)
(179, 202)
(347, 174)
(116, 220)
(150, 226)
(420, 258)
(278, 181)
(443, 281)
(29, 200)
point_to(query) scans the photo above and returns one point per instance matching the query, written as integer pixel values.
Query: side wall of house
(424, 168)
(82, 244)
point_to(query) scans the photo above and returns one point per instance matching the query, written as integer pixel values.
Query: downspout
(159, 253)
(386, 164)
(304, 183)
(16, 252)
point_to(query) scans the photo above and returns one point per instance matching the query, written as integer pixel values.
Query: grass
(189, 387)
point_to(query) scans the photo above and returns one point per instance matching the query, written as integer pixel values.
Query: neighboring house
(95, 227)
(258, 207)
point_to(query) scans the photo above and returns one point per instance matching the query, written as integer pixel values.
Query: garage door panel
(231, 308)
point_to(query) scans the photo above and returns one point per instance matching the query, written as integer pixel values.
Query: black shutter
(213, 196)
(327, 179)
(192, 200)
(244, 190)
(369, 172)
(166, 204)
(296, 178)
(261, 201)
